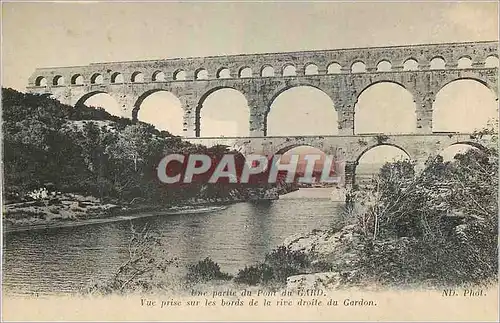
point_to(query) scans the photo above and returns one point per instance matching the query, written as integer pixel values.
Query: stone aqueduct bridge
(259, 77)
(350, 148)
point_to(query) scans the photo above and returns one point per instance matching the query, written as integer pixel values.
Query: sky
(62, 34)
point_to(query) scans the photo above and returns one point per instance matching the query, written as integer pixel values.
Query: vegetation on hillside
(438, 226)
(86, 150)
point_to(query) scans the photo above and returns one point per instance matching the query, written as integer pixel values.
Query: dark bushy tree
(439, 225)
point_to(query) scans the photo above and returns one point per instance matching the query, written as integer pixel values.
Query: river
(62, 260)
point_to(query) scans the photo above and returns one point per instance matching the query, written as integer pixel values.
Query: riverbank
(66, 210)
(339, 247)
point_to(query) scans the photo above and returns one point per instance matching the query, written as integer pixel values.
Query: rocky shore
(67, 209)
(54, 209)
(337, 247)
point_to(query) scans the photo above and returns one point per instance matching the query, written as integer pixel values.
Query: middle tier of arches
(344, 102)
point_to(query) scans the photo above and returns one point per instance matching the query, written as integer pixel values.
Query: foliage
(278, 265)
(438, 225)
(255, 275)
(205, 270)
(146, 268)
(286, 262)
(86, 150)
(466, 257)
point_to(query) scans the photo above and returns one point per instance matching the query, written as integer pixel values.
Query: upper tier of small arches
(285, 67)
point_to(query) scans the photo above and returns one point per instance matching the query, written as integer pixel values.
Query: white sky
(61, 34)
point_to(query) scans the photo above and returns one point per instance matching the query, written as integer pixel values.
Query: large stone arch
(351, 166)
(400, 87)
(352, 86)
(165, 112)
(285, 153)
(471, 143)
(201, 99)
(280, 145)
(484, 81)
(440, 101)
(379, 145)
(214, 89)
(292, 84)
(289, 147)
(448, 152)
(80, 101)
(143, 96)
(370, 83)
(109, 102)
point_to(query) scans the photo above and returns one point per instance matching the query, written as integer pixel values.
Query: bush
(286, 262)
(206, 270)
(147, 268)
(468, 257)
(255, 275)
(279, 264)
(320, 266)
(439, 225)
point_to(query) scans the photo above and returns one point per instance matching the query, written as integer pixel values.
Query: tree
(439, 224)
(146, 268)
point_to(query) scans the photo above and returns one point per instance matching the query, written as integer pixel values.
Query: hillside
(86, 151)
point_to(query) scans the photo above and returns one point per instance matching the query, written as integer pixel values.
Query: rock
(335, 251)
(305, 243)
(110, 206)
(323, 243)
(326, 280)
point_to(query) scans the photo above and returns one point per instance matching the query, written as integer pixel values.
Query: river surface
(63, 260)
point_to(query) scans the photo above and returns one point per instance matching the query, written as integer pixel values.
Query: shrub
(278, 265)
(320, 266)
(145, 270)
(444, 261)
(439, 225)
(254, 275)
(206, 270)
(286, 262)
